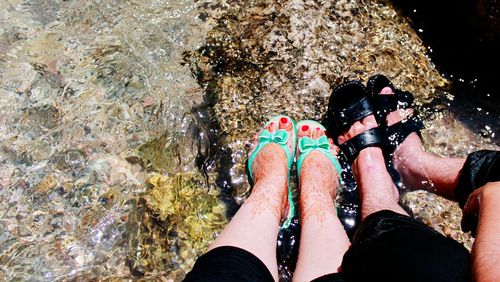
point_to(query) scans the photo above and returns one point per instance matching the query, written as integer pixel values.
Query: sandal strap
(397, 133)
(369, 138)
(348, 103)
(355, 112)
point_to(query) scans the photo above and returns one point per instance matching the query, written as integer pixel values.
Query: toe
(318, 132)
(272, 126)
(369, 122)
(255, 141)
(285, 123)
(304, 130)
(358, 127)
(333, 148)
(386, 91)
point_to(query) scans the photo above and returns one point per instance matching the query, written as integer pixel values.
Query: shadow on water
(215, 156)
(463, 39)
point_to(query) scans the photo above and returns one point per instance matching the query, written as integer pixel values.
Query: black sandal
(348, 103)
(385, 104)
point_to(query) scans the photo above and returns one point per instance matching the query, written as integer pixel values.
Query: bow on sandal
(308, 145)
(280, 137)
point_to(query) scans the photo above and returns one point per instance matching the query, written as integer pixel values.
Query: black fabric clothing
(480, 168)
(392, 247)
(227, 264)
(334, 277)
(386, 247)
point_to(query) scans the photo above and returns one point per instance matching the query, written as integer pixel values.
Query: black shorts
(387, 247)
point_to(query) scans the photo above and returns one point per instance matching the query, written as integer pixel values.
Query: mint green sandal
(279, 137)
(307, 145)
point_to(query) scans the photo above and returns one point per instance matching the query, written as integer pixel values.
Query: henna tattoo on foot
(267, 198)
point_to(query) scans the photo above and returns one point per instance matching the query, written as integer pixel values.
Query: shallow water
(115, 115)
(85, 86)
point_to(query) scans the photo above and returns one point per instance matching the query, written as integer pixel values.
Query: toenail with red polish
(305, 127)
(285, 123)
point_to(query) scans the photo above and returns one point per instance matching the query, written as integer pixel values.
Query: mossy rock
(173, 223)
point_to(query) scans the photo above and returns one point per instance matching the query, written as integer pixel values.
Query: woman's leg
(254, 227)
(323, 240)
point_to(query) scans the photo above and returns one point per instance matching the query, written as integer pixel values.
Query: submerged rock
(172, 224)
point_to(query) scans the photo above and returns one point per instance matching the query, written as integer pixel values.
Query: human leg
(418, 169)
(389, 245)
(323, 239)
(253, 230)
(255, 226)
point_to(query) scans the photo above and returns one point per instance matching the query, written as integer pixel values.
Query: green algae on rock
(173, 223)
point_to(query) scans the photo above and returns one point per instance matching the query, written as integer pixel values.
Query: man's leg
(389, 245)
(419, 169)
(323, 240)
(422, 170)
(377, 191)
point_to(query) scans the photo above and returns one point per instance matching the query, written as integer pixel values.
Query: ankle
(412, 164)
(271, 181)
(317, 201)
(411, 149)
(374, 181)
(269, 194)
